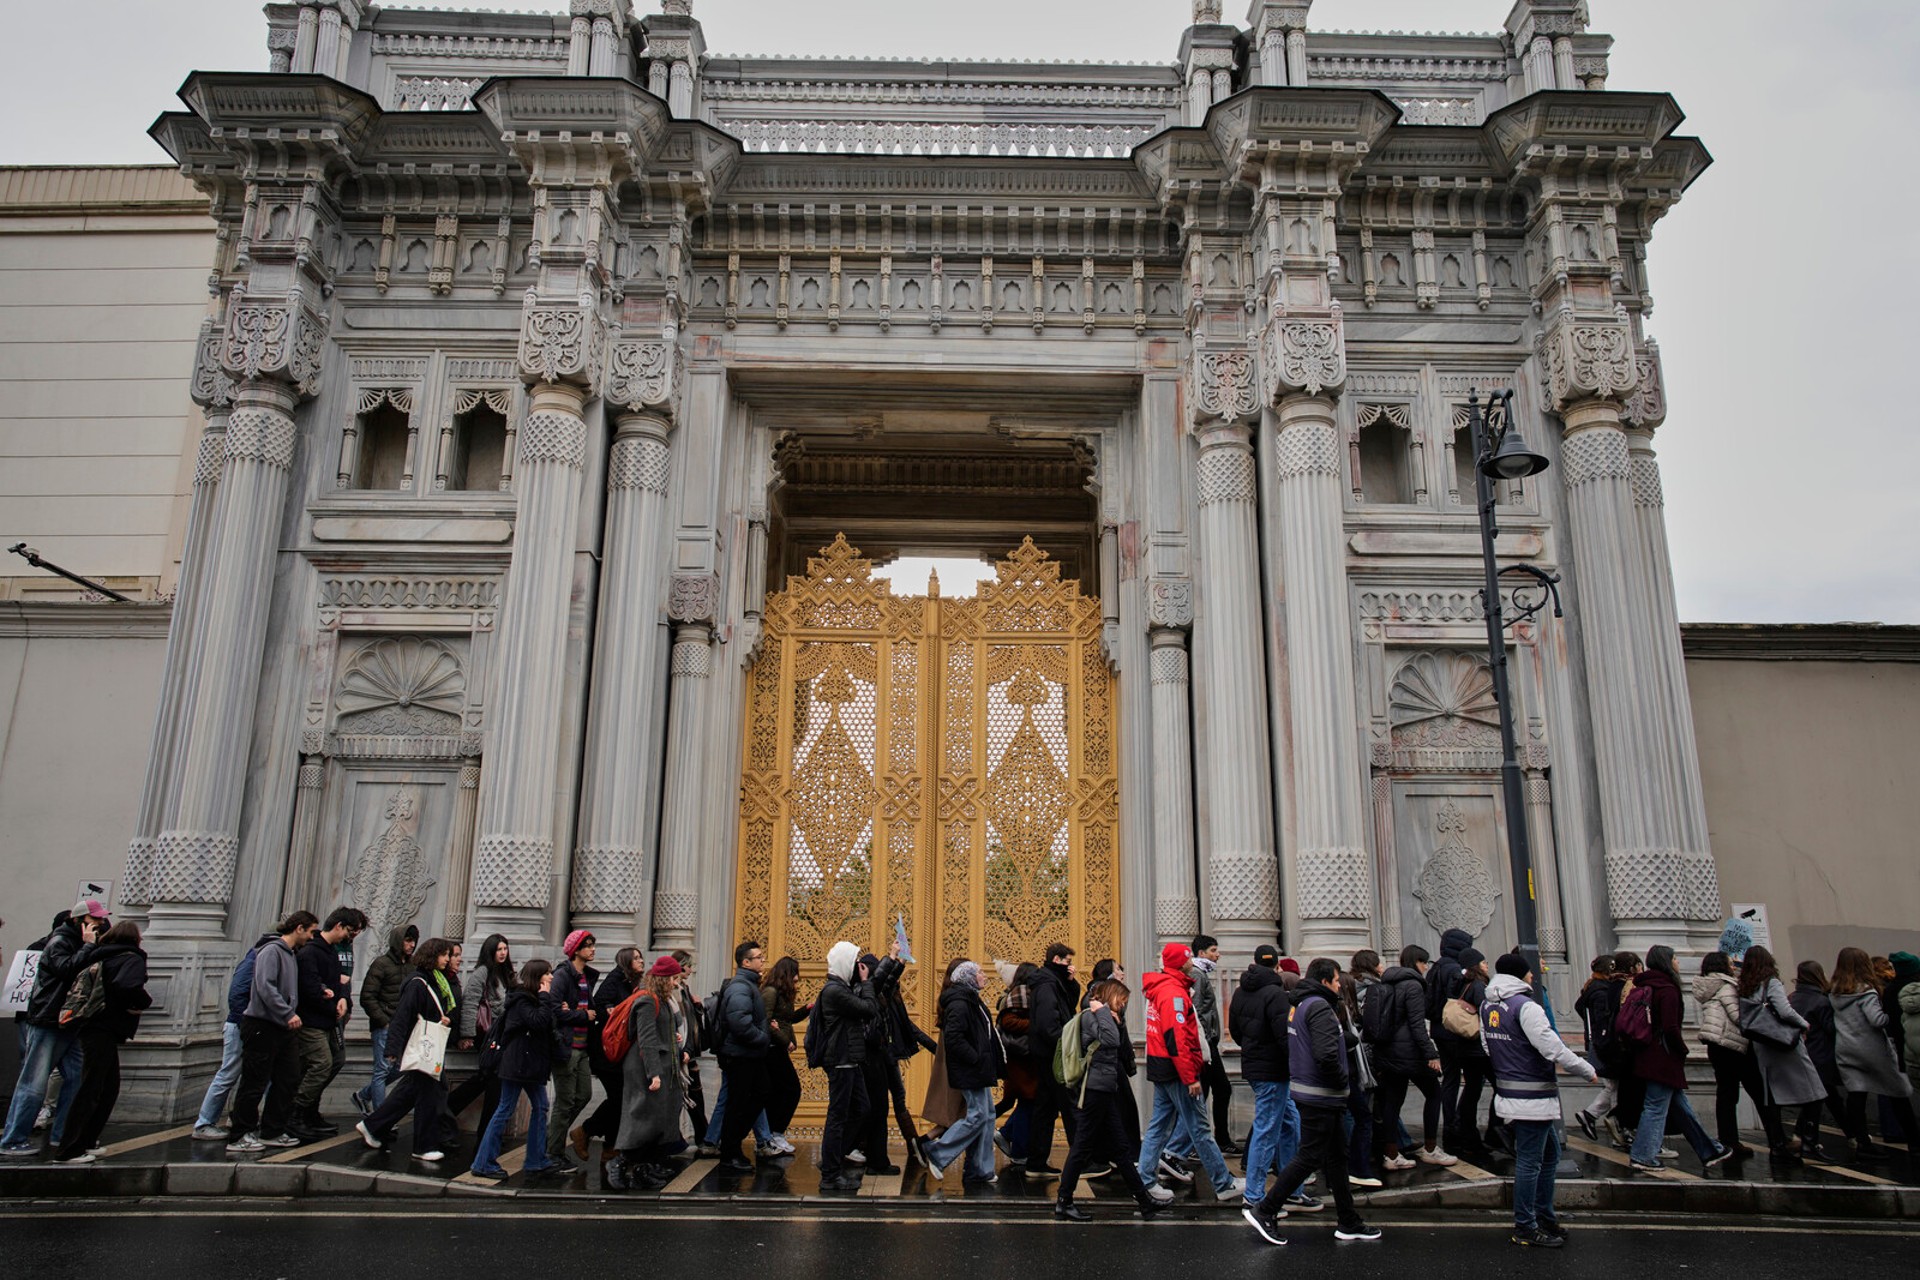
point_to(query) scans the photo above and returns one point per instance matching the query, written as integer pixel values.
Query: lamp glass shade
(1513, 460)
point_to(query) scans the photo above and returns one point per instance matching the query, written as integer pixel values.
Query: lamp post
(1500, 453)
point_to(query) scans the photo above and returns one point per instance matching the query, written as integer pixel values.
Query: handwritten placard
(20, 976)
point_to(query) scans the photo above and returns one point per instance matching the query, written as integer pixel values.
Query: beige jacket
(1719, 1011)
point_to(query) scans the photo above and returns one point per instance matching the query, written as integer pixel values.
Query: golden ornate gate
(948, 762)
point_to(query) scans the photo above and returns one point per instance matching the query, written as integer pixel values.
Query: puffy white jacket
(1719, 1011)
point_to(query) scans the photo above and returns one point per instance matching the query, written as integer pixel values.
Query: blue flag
(900, 936)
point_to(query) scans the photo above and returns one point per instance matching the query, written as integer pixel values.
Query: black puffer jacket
(123, 968)
(61, 960)
(1257, 1017)
(846, 1012)
(974, 1054)
(526, 1038)
(1056, 997)
(1443, 982)
(380, 992)
(1112, 1063)
(1405, 1045)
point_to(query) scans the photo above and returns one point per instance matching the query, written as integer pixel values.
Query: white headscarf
(841, 958)
(967, 973)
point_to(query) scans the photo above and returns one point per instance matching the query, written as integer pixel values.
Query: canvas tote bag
(426, 1050)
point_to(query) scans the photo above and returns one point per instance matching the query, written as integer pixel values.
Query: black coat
(319, 966)
(1406, 1045)
(123, 967)
(1056, 998)
(974, 1053)
(418, 1000)
(61, 960)
(904, 1036)
(845, 1014)
(1443, 982)
(1811, 1003)
(527, 1037)
(1257, 1019)
(1598, 1005)
(743, 1019)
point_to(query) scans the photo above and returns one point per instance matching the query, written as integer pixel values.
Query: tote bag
(426, 1050)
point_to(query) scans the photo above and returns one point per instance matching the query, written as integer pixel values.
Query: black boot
(1068, 1211)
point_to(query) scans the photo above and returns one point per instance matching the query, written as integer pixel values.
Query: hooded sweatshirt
(1443, 981)
(276, 983)
(1540, 1034)
(1257, 1016)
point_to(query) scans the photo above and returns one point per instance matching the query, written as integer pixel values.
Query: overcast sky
(1790, 450)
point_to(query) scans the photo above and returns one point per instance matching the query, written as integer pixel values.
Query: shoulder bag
(1759, 1022)
(426, 1050)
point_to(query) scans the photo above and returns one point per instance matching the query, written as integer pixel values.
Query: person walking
(1215, 1084)
(424, 998)
(1404, 1055)
(1257, 1017)
(525, 1033)
(1014, 1017)
(1056, 997)
(1734, 1066)
(1778, 1045)
(1907, 965)
(66, 953)
(741, 1051)
(106, 1001)
(902, 1038)
(207, 1126)
(1596, 1008)
(626, 977)
(1461, 1059)
(483, 999)
(1809, 999)
(1662, 1065)
(1318, 1042)
(1173, 1069)
(653, 1087)
(846, 1009)
(573, 983)
(973, 1058)
(780, 988)
(1864, 1052)
(1525, 1054)
(379, 995)
(270, 1057)
(1355, 985)
(1104, 1090)
(1633, 1090)
(323, 1005)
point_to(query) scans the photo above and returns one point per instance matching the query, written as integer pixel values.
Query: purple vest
(1519, 1071)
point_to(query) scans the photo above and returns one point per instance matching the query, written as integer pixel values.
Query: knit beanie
(574, 942)
(1174, 956)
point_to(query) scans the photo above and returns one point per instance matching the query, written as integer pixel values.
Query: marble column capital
(278, 339)
(1225, 386)
(693, 600)
(1586, 358)
(561, 342)
(645, 373)
(1169, 605)
(1304, 353)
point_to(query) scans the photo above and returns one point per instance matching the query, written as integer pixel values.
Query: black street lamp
(1500, 453)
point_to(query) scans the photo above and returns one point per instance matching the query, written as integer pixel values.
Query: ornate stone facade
(672, 322)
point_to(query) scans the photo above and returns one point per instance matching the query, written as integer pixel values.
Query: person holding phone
(68, 951)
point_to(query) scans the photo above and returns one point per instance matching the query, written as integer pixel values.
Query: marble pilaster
(1176, 896)
(513, 860)
(676, 900)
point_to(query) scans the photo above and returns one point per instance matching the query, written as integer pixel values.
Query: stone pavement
(147, 1160)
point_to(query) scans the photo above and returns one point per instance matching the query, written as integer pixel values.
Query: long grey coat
(1861, 1047)
(651, 1118)
(1789, 1074)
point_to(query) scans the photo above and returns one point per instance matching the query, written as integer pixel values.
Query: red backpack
(616, 1037)
(1633, 1025)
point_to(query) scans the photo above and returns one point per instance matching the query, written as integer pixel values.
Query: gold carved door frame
(945, 761)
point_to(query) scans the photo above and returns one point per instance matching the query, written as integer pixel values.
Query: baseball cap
(88, 907)
(1266, 955)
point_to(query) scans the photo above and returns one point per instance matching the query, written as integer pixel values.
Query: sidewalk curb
(209, 1179)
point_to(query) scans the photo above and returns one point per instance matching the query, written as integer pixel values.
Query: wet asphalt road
(312, 1239)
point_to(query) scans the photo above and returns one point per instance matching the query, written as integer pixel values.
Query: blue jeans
(1276, 1134)
(1653, 1124)
(972, 1135)
(376, 1089)
(761, 1132)
(1536, 1158)
(487, 1155)
(224, 1079)
(45, 1047)
(1172, 1103)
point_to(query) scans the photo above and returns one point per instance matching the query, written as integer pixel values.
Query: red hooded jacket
(1173, 1032)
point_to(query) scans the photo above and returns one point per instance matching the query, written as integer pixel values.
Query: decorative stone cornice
(1225, 386)
(1586, 358)
(1305, 354)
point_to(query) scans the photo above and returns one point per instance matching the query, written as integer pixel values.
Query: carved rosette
(693, 597)
(1226, 386)
(1305, 355)
(1169, 602)
(643, 375)
(1647, 406)
(561, 343)
(1587, 360)
(281, 339)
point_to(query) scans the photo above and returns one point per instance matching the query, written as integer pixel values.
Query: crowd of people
(1328, 1053)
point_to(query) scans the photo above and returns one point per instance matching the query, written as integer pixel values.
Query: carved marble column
(1176, 897)
(1243, 885)
(186, 636)
(309, 790)
(580, 44)
(306, 38)
(1659, 654)
(198, 853)
(613, 865)
(692, 604)
(1332, 871)
(513, 861)
(466, 816)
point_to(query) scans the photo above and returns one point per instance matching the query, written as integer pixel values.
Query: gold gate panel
(949, 762)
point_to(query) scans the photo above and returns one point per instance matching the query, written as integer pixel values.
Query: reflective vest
(1519, 1070)
(1313, 1083)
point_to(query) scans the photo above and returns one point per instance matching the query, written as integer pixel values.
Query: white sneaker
(1396, 1163)
(1159, 1194)
(1369, 1183)
(246, 1143)
(856, 1156)
(1231, 1187)
(366, 1135)
(430, 1157)
(779, 1146)
(1436, 1156)
(85, 1157)
(210, 1133)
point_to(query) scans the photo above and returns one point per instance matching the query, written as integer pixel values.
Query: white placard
(1755, 915)
(101, 889)
(20, 976)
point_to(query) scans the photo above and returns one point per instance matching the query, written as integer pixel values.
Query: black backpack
(1376, 1026)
